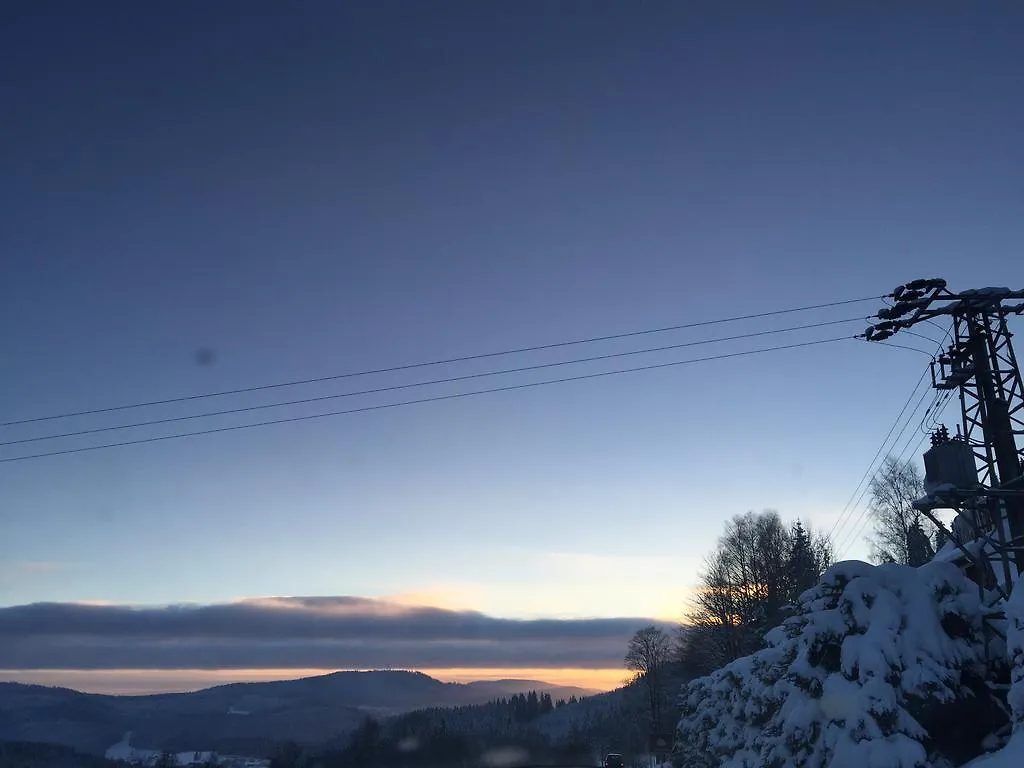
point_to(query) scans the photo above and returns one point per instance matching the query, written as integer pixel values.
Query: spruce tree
(801, 566)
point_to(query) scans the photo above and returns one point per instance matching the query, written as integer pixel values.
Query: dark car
(614, 760)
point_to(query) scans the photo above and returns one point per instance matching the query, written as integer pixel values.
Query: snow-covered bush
(1015, 653)
(1012, 754)
(864, 675)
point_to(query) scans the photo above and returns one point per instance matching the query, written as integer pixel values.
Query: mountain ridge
(242, 718)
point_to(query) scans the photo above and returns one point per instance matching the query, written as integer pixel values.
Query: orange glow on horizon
(146, 681)
(595, 679)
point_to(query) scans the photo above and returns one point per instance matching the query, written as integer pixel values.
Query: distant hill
(602, 713)
(542, 730)
(616, 721)
(487, 690)
(240, 718)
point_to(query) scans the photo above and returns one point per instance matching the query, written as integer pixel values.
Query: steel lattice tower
(981, 364)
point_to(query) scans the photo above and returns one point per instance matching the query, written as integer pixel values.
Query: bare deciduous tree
(648, 657)
(901, 534)
(758, 569)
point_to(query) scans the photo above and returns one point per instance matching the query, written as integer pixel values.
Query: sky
(206, 197)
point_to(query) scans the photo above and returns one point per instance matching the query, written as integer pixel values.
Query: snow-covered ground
(1010, 756)
(125, 752)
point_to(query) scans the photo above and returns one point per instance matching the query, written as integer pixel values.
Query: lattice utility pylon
(981, 364)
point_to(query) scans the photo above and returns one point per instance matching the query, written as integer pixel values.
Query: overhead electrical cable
(920, 336)
(839, 524)
(847, 510)
(445, 361)
(411, 385)
(893, 345)
(864, 491)
(436, 398)
(862, 519)
(865, 518)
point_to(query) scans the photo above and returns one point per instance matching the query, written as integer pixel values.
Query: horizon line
(146, 682)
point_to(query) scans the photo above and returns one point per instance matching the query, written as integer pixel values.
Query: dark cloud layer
(298, 632)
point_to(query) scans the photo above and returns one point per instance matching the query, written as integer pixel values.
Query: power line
(921, 336)
(847, 541)
(840, 523)
(433, 399)
(878, 453)
(411, 385)
(863, 517)
(904, 346)
(446, 361)
(936, 411)
(895, 442)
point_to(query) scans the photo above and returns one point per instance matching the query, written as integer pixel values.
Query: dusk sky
(311, 189)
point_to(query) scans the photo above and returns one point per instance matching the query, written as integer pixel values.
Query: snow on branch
(874, 657)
